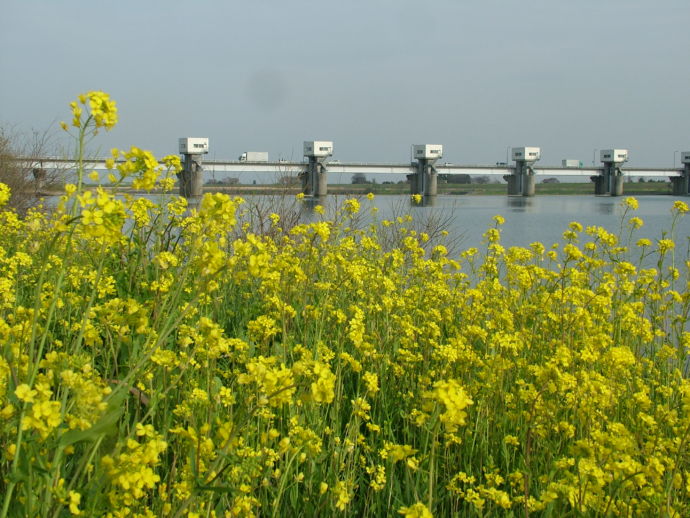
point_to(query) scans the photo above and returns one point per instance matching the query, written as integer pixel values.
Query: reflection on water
(528, 219)
(519, 203)
(607, 206)
(542, 218)
(424, 201)
(307, 212)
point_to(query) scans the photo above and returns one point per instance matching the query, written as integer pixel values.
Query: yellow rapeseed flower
(665, 245)
(680, 207)
(418, 510)
(4, 194)
(74, 501)
(631, 203)
(25, 393)
(635, 222)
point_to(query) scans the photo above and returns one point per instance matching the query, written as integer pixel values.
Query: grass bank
(631, 188)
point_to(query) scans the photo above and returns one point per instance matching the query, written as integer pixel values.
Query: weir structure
(424, 180)
(314, 179)
(191, 177)
(422, 172)
(522, 181)
(610, 181)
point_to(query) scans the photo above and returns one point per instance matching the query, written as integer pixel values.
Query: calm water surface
(540, 218)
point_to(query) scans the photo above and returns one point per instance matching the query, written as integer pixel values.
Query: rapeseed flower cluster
(95, 108)
(157, 360)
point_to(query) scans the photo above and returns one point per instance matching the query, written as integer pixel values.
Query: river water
(539, 218)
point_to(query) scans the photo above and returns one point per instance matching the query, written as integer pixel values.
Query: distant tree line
(464, 179)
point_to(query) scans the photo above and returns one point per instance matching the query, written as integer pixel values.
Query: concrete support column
(677, 185)
(528, 182)
(606, 180)
(617, 183)
(528, 185)
(412, 180)
(314, 179)
(431, 182)
(610, 182)
(418, 178)
(421, 177)
(311, 177)
(321, 181)
(681, 184)
(522, 182)
(191, 177)
(305, 177)
(425, 180)
(308, 184)
(513, 184)
(39, 177)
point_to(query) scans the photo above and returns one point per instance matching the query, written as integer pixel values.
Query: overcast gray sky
(374, 76)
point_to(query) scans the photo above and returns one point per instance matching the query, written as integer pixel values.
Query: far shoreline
(492, 189)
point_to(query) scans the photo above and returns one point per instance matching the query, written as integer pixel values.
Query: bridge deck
(294, 168)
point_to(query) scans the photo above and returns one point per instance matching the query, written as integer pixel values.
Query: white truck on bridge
(571, 163)
(254, 156)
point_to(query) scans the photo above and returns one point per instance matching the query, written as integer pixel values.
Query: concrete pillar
(677, 185)
(412, 180)
(528, 182)
(681, 184)
(312, 176)
(431, 183)
(425, 180)
(606, 180)
(421, 177)
(192, 177)
(39, 177)
(417, 179)
(522, 182)
(321, 180)
(617, 183)
(304, 176)
(314, 179)
(610, 182)
(513, 185)
(308, 187)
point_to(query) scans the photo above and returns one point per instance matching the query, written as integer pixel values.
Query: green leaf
(106, 425)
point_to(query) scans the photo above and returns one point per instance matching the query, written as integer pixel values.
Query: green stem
(432, 467)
